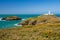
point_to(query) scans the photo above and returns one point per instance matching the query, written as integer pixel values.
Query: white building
(49, 13)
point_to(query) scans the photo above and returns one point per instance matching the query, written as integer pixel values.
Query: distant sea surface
(10, 24)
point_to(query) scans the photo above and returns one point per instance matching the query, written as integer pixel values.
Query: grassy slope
(45, 31)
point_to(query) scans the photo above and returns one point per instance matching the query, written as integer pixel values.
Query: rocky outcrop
(11, 18)
(25, 22)
(34, 22)
(41, 20)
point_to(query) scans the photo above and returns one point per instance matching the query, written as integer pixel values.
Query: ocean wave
(17, 25)
(23, 19)
(2, 20)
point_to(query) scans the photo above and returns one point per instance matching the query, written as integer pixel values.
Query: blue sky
(28, 6)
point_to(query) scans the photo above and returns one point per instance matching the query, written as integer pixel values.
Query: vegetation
(46, 28)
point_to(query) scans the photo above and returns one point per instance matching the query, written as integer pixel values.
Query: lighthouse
(49, 13)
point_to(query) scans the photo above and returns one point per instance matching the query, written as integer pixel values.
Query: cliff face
(44, 27)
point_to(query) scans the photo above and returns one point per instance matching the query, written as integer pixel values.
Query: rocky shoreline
(41, 20)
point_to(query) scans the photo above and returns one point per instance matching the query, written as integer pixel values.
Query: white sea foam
(23, 19)
(2, 20)
(17, 25)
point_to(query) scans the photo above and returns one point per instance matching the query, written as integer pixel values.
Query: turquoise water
(9, 24)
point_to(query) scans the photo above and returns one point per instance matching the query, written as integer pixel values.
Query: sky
(29, 6)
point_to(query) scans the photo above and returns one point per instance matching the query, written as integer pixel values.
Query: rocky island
(11, 18)
(43, 27)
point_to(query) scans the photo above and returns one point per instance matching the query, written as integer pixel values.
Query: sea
(10, 24)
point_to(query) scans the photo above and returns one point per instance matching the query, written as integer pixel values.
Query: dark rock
(11, 18)
(26, 22)
(3, 18)
(34, 22)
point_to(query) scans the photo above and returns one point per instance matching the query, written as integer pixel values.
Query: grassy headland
(44, 27)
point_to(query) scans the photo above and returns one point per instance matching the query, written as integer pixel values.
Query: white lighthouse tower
(49, 13)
